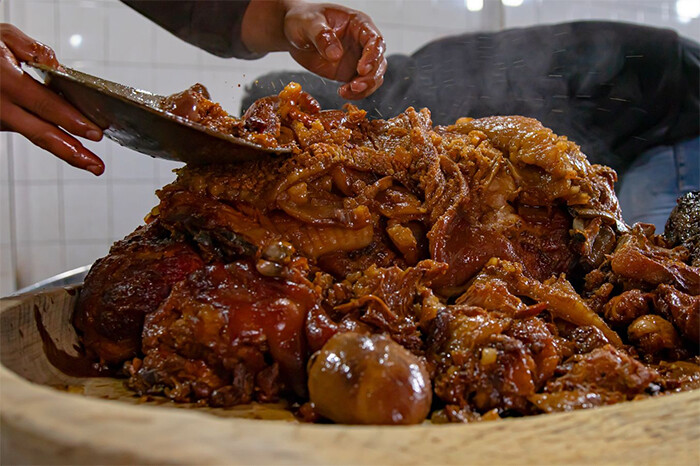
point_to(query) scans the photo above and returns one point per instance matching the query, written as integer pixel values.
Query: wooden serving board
(49, 417)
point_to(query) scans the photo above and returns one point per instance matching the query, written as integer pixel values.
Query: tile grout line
(110, 180)
(14, 254)
(59, 175)
(11, 192)
(110, 201)
(13, 213)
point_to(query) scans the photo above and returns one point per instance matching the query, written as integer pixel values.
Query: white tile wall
(33, 165)
(131, 202)
(84, 20)
(54, 217)
(7, 251)
(85, 253)
(38, 218)
(38, 261)
(85, 212)
(129, 37)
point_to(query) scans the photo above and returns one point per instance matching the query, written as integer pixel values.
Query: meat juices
(484, 266)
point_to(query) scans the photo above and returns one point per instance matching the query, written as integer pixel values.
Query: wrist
(262, 30)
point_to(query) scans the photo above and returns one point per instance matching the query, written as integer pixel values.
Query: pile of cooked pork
(390, 271)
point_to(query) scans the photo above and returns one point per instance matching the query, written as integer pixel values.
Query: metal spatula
(133, 118)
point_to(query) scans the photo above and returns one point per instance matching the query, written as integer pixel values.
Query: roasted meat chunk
(478, 270)
(125, 286)
(604, 376)
(479, 365)
(229, 335)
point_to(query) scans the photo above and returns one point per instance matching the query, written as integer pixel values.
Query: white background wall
(54, 217)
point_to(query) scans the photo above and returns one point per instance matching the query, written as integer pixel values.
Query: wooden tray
(95, 420)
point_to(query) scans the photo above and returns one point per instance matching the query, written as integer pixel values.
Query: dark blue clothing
(212, 25)
(655, 180)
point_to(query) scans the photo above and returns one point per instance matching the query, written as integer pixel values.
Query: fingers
(372, 55)
(26, 49)
(48, 137)
(328, 45)
(10, 65)
(372, 64)
(33, 110)
(368, 60)
(36, 98)
(366, 34)
(363, 86)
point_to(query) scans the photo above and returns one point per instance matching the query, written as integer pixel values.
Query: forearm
(262, 30)
(212, 25)
(331, 40)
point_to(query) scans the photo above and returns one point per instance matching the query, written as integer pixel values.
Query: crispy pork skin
(122, 288)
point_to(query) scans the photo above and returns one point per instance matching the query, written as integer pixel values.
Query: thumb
(314, 31)
(25, 48)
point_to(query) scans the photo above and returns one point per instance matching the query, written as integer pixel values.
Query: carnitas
(389, 272)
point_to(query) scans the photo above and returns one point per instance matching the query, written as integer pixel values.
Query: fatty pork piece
(195, 104)
(228, 335)
(124, 287)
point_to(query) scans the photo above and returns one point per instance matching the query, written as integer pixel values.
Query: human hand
(29, 108)
(337, 43)
(330, 40)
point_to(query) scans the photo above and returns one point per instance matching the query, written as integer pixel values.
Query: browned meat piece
(504, 379)
(655, 338)
(680, 375)
(219, 231)
(501, 356)
(680, 308)
(128, 284)
(228, 335)
(546, 350)
(586, 338)
(608, 368)
(487, 361)
(507, 209)
(555, 295)
(569, 400)
(604, 376)
(466, 243)
(260, 124)
(384, 195)
(191, 104)
(637, 260)
(624, 308)
(262, 117)
(393, 300)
